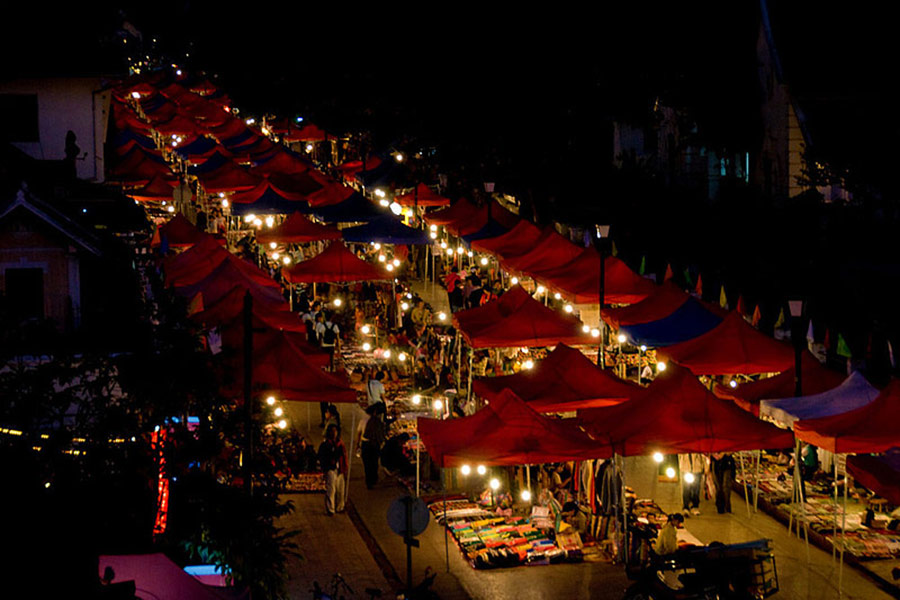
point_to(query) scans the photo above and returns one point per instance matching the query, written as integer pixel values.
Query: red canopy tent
(159, 189)
(180, 232)
(204, 262)
(177, 125)
(228, 178)
(870, 428)
(297, 183)
(550, 251)
(580, 279)
(814, 378)
(308, 133)
(352, 167)
(518, 240)
(881, 474)
(230, 128)
(460, 211)
(298, 229)
(224, 277)
(422, 195)
(517, 319)
(676, 414)
(207, 251)
(565, 380)
(506, 432)
(664, 300)
(731, 348)
(253, 195)
(280, 367)
(266, 333)
(483, 215)
(280, 162)
(330, 193)
(335, 264)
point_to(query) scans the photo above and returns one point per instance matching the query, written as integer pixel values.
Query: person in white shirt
(375, 389)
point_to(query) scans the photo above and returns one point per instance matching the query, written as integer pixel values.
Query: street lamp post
(796, 308)
(602, 234)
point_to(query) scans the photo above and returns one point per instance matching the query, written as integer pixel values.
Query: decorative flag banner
(643, 266)
(827, 342)
(615, 251)
(891, 355)
(669, 274)
(740, 305)
(687, 277)
(699, 289)
(756, 316)
(723, 299)
(810, 334)
(842, 348)
(779, 322)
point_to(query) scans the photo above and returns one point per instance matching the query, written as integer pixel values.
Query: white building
(36, 115)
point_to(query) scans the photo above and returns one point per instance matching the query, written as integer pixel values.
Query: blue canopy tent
(386, 230)
(213, 163)
(356, 208)
(384, 174)
(270, 202)
(690, 320)
(242, 138)
(491, 229)
(201, 145)
(854, 392)
(123, 137)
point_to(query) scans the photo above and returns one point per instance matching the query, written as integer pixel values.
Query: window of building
(24, 293)
(19, 118)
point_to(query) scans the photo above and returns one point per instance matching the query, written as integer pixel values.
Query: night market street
(344, 303)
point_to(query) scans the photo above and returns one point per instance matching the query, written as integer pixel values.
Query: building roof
(25, 201)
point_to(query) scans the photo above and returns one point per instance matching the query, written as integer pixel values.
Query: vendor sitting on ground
(576, 517)
(667, 540)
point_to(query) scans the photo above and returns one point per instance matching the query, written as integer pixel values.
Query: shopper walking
(723, 471)
(692, 467)
(333, 459)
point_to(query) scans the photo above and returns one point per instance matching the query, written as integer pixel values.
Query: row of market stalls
(706, 363)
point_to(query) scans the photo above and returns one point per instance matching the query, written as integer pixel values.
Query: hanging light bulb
(528, 364)
(658, 457)
(595, 332)
(482, 469)
(365, 329)
(670, 472)
(526, 495)
(286, 260)
(224, 203)
(643, 348)
(275, 255)
(444, 246)
(396, 208)
(442, 316)
(384, 202)
(249, 218)
(733, 383)
(382, 258)
(568, 308)
(557, 296)
(514, 280)
(390, 267)
(376, 245)
(404, 306)
(465, 469)
(660, 366)
(273, 245)
(282, 424)
(689, 477)
(495, 484)
(309, 148)
(416, 399)
(338, 301)
(484, 261)
(396, 262)
(438, 405)
(433, 235)
(366, 346)
(279, 411)
(402, 357)
(541, 289)
(270, 400)
(386, 354)
(586, 328)
(621, 339)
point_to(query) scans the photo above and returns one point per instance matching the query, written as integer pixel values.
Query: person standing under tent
(333, 460)
(723, 468)
(692, 467)
(371, 442)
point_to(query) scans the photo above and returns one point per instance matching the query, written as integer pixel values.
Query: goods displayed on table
(305, 482)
